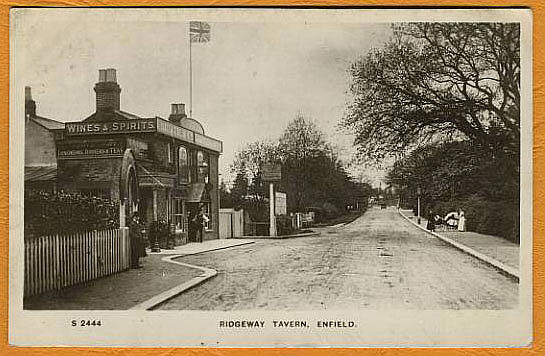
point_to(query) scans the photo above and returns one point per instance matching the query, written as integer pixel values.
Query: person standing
(137, 244)
(191, 226)
(461, 221)
(200, 221)
(431, 221)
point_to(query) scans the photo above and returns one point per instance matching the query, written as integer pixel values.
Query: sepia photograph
(281, 177)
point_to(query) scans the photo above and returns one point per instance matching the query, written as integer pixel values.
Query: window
(179, 217)
(203, 167)
(183, 165)
(169, 153)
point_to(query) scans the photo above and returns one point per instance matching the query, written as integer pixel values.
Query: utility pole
(272, 216)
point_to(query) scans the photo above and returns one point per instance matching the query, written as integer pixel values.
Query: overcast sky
(250, 80)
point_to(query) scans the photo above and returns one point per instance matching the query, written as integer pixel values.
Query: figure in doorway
(200, 221)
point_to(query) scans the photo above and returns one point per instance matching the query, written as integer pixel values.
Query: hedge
(498, 218)
(67, 213)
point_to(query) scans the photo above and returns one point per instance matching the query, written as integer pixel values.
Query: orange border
(538, 347)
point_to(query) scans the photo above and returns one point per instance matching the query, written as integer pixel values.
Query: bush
(499, 218)
(284, 226)
(67, 213)
(160, 231)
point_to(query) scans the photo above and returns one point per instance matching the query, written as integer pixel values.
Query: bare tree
(437, 80)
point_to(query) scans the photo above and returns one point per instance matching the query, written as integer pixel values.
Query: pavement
(134, 288)
(494, 247)
(205, 246)
(379, 261)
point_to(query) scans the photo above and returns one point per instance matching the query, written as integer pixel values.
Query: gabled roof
(48, 123)
(111, 115)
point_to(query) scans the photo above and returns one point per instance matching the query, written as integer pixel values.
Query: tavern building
(164, 169)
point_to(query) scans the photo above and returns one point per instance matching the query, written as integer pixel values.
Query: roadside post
(418, 192)
(271, 173)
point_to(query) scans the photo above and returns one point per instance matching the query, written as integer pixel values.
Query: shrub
(160, 231)
(66, 213)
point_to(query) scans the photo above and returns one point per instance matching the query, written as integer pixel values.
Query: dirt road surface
(379, 261)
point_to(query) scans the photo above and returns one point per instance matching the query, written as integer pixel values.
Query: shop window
(169, 153)
(203, 167)
(206, 211)
(183, 165)
(179, 217)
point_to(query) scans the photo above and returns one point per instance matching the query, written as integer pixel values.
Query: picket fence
(55, 262)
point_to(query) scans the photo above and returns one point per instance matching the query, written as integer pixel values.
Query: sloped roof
(49, 124)
(111, 115)
(197, 193)
(40, 173)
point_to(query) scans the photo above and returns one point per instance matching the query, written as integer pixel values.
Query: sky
(249, 81)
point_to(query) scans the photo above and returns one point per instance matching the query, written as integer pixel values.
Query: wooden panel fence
(55, 262)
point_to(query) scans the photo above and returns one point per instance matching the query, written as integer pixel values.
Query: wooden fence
(55, 262)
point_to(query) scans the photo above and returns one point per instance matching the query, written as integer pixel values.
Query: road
(379, 261)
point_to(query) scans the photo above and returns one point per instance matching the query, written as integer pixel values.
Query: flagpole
(190, 80)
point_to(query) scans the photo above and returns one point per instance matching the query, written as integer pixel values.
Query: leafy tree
(434, 81)
(306, 158)
(312, 175)
(226, 200)
(240, 189)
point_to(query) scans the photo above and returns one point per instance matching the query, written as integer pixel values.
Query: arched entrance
(129, 192)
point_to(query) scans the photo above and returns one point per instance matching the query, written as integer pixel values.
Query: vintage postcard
(244, 177)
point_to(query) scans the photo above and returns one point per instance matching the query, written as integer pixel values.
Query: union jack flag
(199, 31)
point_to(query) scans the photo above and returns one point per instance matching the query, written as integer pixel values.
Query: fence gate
(231, 223)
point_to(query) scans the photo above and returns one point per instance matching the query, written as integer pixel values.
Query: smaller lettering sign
(94, 148)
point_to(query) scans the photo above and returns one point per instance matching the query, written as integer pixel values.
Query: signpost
(271, 173)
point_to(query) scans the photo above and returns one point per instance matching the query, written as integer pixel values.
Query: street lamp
(418, 192)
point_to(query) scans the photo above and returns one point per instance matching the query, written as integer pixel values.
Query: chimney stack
(177, 113)
(107, 90)
(30, 105)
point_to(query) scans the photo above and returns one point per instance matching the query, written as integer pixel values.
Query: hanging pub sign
(271, 172)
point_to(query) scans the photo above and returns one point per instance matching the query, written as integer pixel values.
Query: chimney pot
(178, 109)
(177, 113)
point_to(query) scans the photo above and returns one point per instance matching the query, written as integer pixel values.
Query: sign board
(280, 204)
(171, 130)
(155, 124)
(110, 127)
(90, 149)
(271, 172)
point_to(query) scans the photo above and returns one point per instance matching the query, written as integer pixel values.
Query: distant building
(40, 149)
